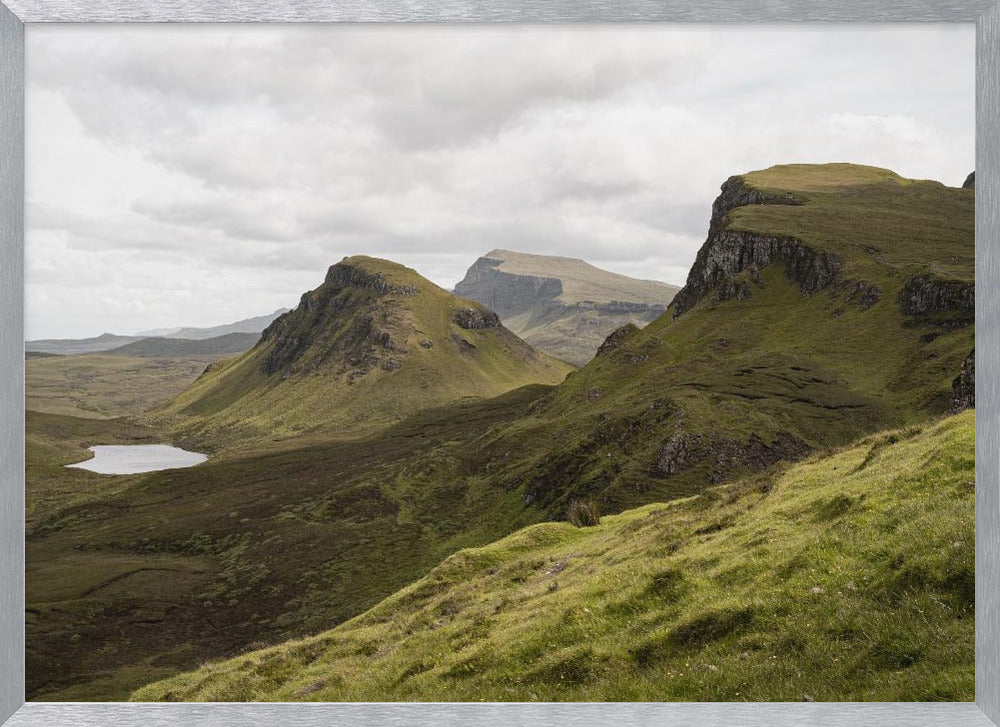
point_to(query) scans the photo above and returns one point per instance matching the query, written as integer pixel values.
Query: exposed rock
(506, 293)
(862, 294)
(344, 275)
(926, 294)
(336, 323)
(964, 387)
(617, 337)
(735, 193)
(727, 253)
(970, 182)
(725, 456)
(476, 318)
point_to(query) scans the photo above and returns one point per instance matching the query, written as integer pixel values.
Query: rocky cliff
(562, 306)
(728, 253)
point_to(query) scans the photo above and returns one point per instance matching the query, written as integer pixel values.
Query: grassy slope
(363, 518)
(238, 400)
(846, 577)
(255, 550)
(814, 367)
(102, 385)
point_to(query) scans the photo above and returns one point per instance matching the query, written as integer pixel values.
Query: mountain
(109, 341)
(230, 343)
(248, 325)
(850, 577)
(63, 346)
(563, 306)
(828, 303)
(373, 343)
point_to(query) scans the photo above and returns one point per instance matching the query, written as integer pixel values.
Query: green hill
(847, 577)
(828, 302)
(373, 343)
(790, 338)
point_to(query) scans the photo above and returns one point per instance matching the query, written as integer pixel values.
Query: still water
(130, 459)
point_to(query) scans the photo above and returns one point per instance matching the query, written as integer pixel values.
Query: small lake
(131, 459)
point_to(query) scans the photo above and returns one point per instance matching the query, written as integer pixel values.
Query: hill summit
(564, 306)
(373, 343)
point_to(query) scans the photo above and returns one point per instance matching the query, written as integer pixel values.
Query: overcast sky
(196, 175)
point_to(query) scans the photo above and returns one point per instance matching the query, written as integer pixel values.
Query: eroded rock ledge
(927, 294)
(727, 253)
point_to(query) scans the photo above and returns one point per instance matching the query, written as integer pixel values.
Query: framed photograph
(531, 364)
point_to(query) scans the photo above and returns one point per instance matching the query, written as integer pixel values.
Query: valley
(397, 463)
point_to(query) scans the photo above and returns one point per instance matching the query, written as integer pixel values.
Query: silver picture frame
(14, 14)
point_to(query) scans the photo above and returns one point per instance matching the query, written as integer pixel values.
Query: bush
(583, 513)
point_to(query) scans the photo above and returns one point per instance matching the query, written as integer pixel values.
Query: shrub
(583, 513)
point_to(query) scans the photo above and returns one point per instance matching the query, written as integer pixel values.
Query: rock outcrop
(617, 338)
(927, 294)
(725, 455)
(359, 342)
(970, 182)
(727, 253)
(964, 387)
(563, 306)
(474, 319)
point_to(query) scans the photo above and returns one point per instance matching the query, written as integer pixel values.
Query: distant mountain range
(563, 306)
(110, 341)
(153, 347)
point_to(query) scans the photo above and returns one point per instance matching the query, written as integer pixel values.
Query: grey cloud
(267, 153)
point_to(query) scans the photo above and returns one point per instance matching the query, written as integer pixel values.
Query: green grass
(104, 385)
(846, 577)
(873, 218)
(323, 388)
(254, 549)
(309, 521)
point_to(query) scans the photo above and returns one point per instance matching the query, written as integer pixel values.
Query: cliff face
(727, 253)
(928, 294)
(506, 293)
(562, 306)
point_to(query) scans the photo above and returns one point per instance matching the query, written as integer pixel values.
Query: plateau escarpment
(826, 302)
(563, 306)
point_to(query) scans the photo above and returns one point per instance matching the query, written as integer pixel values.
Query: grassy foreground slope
(374, 343)
(849, 576)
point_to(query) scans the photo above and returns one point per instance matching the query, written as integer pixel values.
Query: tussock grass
(830, 580)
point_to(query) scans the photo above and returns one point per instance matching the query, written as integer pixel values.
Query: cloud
(209, 165)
